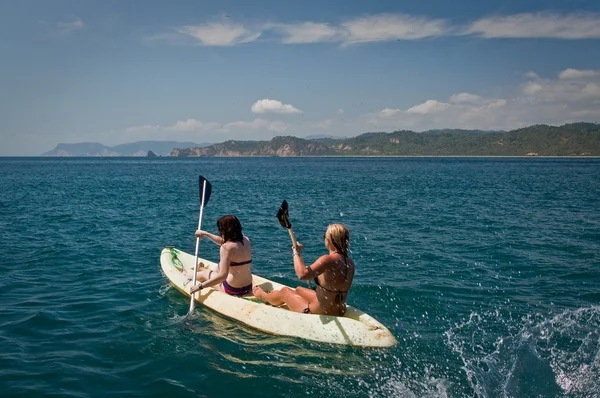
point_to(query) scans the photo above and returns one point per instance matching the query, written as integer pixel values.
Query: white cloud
(370, 28)
(253, 125)
(572, 85)
(193, 125)
(530, 88)
(307, 32)
(184, 129)
(591, 90)
(429, 106)
(273, 106)
(577, 73)
(68, 27)
(219, 34)
(538, 25)
(387, 27)
(437, 114)
(387, 112)
(531, 75)
(466, 98)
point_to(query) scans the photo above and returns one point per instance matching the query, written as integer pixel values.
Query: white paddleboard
(355, 328)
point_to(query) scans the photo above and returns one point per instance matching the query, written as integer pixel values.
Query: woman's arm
(215, 238)
(220, 275)
(305, 273)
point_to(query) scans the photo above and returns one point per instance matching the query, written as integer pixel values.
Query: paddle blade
(201, 181)
(282, 215)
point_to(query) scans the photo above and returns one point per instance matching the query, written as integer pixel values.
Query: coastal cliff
(278, 146)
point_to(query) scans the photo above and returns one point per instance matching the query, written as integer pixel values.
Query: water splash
(571, 342)
(164, 289)
(531, 355)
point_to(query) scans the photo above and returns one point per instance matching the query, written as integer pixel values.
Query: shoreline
(315, 157)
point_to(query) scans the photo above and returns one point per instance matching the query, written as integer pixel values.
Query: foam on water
(571, 342)
(537, 354)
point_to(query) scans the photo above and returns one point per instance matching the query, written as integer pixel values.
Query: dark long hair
(230, 229)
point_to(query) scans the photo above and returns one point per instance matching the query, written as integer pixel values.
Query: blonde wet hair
(339, 236)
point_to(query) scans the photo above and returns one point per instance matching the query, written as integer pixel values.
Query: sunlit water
(487, 271)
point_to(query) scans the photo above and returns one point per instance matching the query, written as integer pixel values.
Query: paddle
(284, 220)
(205, 190)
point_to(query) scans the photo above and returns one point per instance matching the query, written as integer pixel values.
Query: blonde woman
(333, 274)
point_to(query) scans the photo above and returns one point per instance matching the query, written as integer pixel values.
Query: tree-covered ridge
(577, 139)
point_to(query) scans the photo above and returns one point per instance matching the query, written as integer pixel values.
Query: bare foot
(189, 273)
(259, 293)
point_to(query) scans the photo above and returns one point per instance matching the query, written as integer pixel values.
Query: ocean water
(487, 271)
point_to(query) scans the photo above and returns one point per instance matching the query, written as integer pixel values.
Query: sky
(116, 72)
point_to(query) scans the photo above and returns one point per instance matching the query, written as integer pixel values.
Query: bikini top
(332, 291)
(237, 264)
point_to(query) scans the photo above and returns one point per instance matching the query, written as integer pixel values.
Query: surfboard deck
(355, 328)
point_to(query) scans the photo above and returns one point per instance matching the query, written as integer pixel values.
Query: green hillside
(577, 139)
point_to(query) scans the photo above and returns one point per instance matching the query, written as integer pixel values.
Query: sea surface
(487, 271)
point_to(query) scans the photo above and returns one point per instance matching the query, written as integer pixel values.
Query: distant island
(576, 139)
(138, 148)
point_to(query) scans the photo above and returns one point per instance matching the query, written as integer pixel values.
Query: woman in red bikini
(333, 274)
(234, 276)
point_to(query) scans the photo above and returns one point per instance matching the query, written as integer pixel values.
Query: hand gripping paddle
(284, 220)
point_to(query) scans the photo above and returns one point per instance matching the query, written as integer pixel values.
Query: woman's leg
(274, 297)
(293, 300)
(201, 275)
(308, 294)
(199, 269)
(311, 300)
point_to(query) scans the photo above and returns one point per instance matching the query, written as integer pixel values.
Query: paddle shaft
(197, 245)
(293, 238)
(295, 245)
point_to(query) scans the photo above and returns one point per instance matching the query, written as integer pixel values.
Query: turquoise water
(487, 271)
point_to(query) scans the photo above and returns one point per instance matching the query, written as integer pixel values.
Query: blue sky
(122, 71)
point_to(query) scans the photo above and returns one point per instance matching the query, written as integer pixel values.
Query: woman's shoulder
(328, 259)
(337, 258)
(231, 245)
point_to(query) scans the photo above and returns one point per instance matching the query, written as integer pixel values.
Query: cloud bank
(391, 27)
(572, 95)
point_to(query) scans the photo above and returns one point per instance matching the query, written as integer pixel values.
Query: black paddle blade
(201, 181)
(282, 215)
